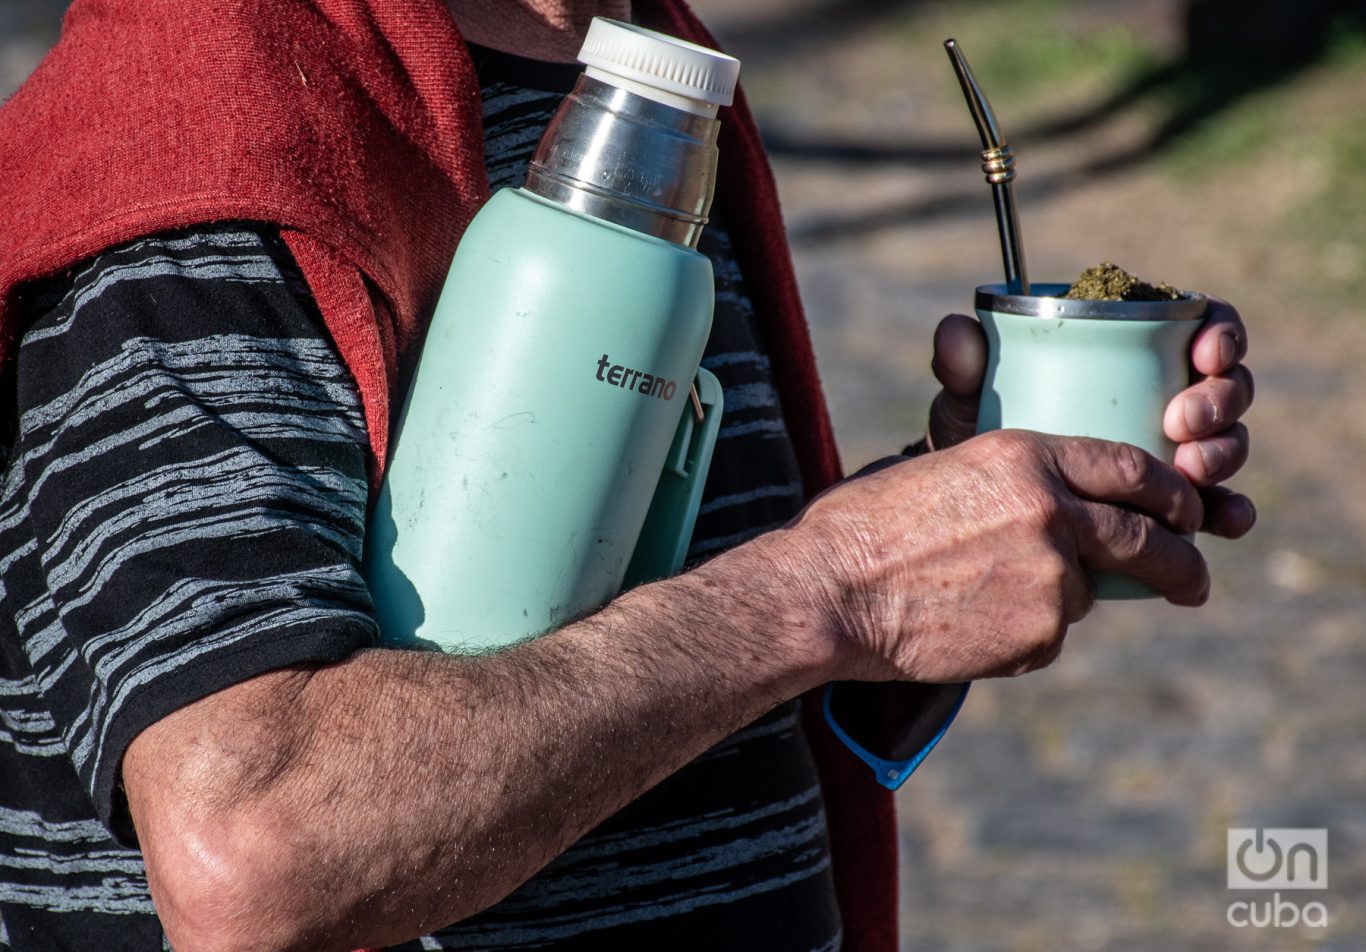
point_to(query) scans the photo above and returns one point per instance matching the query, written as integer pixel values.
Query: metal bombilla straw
(999, 165)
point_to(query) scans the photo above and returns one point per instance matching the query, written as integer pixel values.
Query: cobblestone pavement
(1084, 807)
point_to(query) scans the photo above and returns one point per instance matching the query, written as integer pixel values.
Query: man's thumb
(959, 364)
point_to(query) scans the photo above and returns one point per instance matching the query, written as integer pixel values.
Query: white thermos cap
(659, 67)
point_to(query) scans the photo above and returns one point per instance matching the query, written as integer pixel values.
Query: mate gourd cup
(1103, 369)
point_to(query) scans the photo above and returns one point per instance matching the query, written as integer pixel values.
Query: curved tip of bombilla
(982, 116)
(998, 164)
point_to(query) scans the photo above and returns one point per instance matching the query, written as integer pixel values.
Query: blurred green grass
(1040, 58)
(1027, 53)
(1332, 218)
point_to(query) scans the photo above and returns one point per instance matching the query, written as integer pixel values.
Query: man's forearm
(409, 790)
(396, 792)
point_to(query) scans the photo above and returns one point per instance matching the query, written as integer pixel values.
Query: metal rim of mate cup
(1047, 302)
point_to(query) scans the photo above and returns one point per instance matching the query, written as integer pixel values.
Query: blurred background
(1218, 145)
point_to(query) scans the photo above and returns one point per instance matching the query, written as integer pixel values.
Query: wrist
(778, 599)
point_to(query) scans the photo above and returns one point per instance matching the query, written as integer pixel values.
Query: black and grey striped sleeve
(193, 452)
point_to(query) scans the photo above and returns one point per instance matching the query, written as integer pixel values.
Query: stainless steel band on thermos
(635, 142)
(626, 159)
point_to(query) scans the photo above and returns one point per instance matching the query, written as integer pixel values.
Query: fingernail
(1228, 349)
(1199, 414)
(1213, 456)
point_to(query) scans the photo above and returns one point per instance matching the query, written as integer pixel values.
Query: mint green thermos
(558, 430)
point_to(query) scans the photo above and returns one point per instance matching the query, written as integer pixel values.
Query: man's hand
(972, 562)
(1203, 419)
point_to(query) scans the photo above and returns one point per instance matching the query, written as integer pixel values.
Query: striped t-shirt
(183, 508)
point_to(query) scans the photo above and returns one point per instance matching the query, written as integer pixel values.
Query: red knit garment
(355, 126)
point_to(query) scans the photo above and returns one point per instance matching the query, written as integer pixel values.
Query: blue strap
(891, 773)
